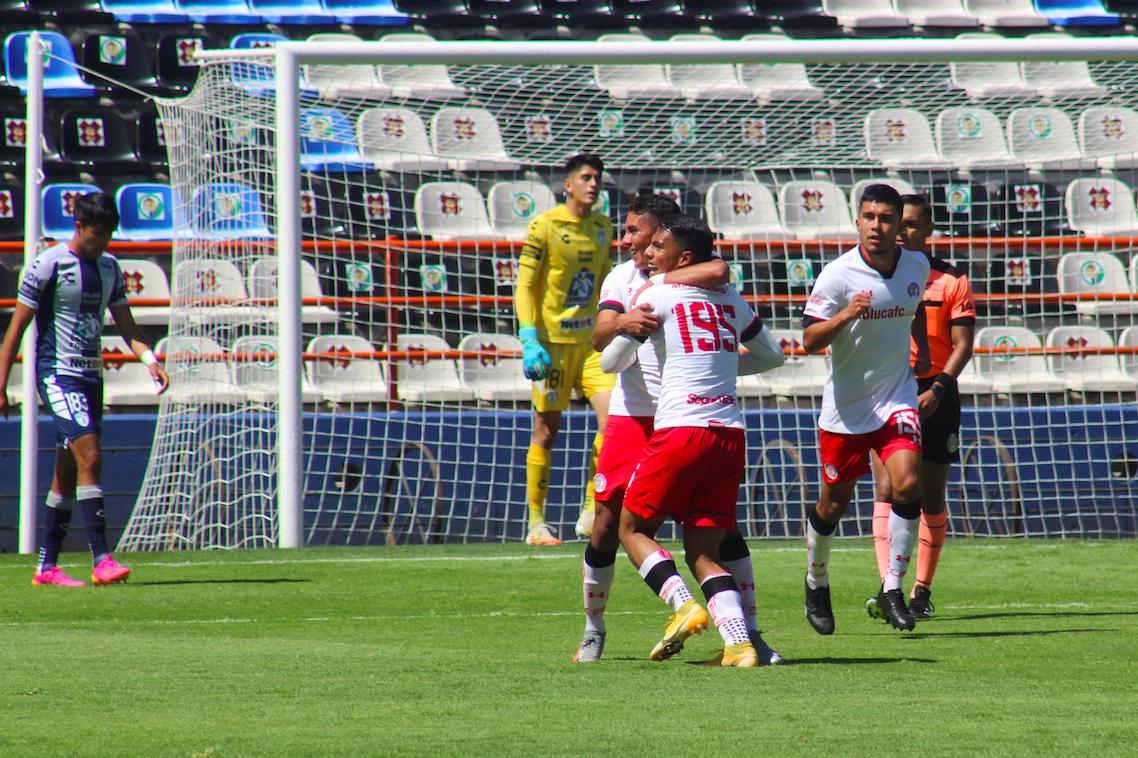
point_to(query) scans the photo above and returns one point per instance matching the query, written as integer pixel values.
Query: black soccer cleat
(921, 606)
(892, 605)
(818, 610)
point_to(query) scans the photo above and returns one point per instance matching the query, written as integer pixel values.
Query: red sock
(881, 513)
(931, 535)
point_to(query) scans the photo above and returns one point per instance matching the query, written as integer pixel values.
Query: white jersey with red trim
(698, 350)
(870, 376)
(638, 386)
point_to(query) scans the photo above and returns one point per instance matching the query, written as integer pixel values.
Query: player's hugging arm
(764, 352)
(707, 275)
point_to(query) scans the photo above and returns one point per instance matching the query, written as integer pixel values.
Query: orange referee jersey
(948, 303)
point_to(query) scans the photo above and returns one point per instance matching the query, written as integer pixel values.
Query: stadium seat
(97, 139)
(395, 139)
(125, 383)
(961, 209)
(227, 211)
(337, 82)
(214, 289)
(177, 69)
(800, 375)
(1010, 13)
(1099, 274)
(345, 378)
(795, 13)
(1128, 361)
(864, 14)
(257, 78)
(982, 79)
(366, 12)
(726, 14)
(512, 13)
(582, 13)
(469, 139)
(293, 12)
(902, 187)
(428, 82)
(653, 14)
(1018, 281)
(742, 211)
(972, 138)
(1027, 209)
(11, 210)
(1060, 79)
(262, 285)
(121, 57)
(815, 209)
(715, 81)
(901, 138)
(1089, 372)
(378, 210)
(1110, 134)
(645, 80)
(199, 372)
(17, 12)
(155, 137)
(60, 77)
(328, 142)
(427, 380)
(1044, 139)
(928, 13)
(452, 210)
(58, 221)
(145, 280)
(13, 146)
(146, 212)
(1014, 373)
(773, 82)
(145, 11)
(1101, 207)
(253, 359)
(1077, 13)
(493, 378)
(219, 12)
(323, 209)
(513, 205)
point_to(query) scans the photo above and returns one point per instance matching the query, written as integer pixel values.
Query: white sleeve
(827, 298)
(619, 354)
(763, 353)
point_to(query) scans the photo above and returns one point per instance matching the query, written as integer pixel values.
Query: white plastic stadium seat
(902, 187)
(1096, 274)
(972, 138)
(492, 377)
(776, 81)
(801, 375)
(635, 81)
(215, 288)
(742, 211)
(1044, 139)
(864, 14)
(1057, 79)
(901, 138)
(253, 359)
(935, 13)
(971, 383)
(715, 81)
(1101, 207)
(125, 383)
(1006, 13)
(428, 380)
(452, 210)
(513, 205)
(1110, 134)
(395, 139)
(344, 378)
(982, 79)
(145, 280)
(1014, 372)
(198, 382)
(469, 140)
(263, 285)
(815, 209)
(1129, 361)
(427, 82)
(1092, 372)
(336, 82)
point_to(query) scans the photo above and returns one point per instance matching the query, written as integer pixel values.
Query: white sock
(743, 572)
(818, 557)
(727, 614)
(674, 591)
(902, 537)
(597, 583)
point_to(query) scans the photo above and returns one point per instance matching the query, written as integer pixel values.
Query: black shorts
(940, 432)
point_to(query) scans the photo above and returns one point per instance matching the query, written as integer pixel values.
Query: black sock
(55, 524)
(91, 506)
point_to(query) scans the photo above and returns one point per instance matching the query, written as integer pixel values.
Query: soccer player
(862, 307)
(630, 422)
(67, 291)
(951, 325)
(566, 255)
(696, 453)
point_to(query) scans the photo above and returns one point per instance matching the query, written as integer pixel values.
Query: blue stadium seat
(146, 211)
(146, 11)
(58, 220)
(227, 211)
(61, 77)
(1077, 13)
(121, 56)
(256, 79)
(176, 68)
(367, 13)
(219, 11)
(293, 12)
(328, 142)
(97, 139)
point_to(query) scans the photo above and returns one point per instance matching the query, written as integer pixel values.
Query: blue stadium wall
(1063, 471)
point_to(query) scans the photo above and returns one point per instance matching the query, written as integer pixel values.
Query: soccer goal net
(350, 216)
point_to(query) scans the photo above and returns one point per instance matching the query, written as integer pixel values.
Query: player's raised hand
(638, 322)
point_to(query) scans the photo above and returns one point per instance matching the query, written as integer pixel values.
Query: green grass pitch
(465, 650)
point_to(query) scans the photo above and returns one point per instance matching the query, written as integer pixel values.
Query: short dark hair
(921, 202)
(881, 193)
(584, 159)
(692, 234)
(96, 209)
(654, 205)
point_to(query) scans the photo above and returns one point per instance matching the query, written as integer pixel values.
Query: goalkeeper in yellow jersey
(565, 257)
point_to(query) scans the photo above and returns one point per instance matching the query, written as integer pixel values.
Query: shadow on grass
(851, 661)
(1033, 633)
(1033, 614)
(176, 582)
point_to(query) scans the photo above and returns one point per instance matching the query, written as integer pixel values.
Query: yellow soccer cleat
(741, 655)
(689, 620)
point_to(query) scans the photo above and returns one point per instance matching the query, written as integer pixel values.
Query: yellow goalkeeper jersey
(563, 262)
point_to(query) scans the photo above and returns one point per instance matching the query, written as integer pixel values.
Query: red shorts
(626, 438)
(691, 474)
(846, 456)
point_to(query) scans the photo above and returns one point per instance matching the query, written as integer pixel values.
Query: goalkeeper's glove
(535, 358)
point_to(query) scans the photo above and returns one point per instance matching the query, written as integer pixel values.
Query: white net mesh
(418, 183)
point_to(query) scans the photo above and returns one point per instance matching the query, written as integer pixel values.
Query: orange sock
(931, 535)
(881, 513)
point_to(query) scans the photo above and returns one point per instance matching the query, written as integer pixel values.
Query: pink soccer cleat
(55, 576)
(109, 571)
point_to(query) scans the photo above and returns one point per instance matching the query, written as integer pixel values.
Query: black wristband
(937, 389)
(946, 380)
